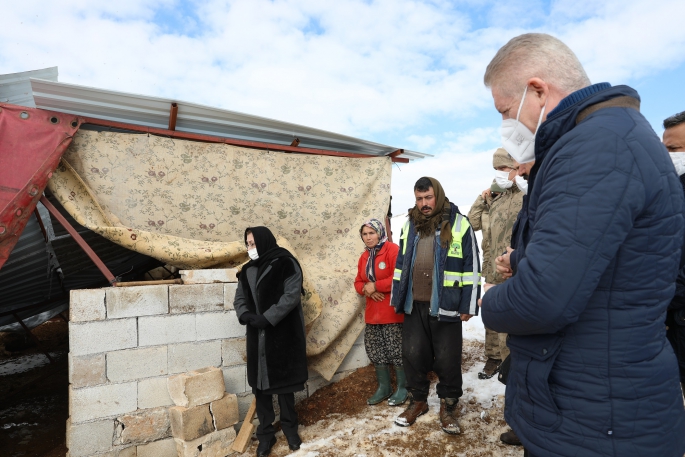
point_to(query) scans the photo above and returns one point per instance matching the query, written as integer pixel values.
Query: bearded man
(436, 285)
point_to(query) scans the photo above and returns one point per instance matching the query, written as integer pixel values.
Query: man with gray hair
(597, 251)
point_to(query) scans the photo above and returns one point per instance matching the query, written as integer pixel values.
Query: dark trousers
(431, 345)
(266, 415)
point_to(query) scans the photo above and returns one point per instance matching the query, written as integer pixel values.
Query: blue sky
(402, 72)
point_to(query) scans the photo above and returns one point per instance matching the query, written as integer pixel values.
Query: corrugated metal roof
(193, 118)
(16, 88)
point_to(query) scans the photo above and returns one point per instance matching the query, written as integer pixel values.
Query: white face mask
(522, 184)
(253, 253)
(678, 159)
(502, 179)
(517, 139)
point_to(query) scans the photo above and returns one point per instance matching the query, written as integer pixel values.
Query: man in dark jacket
(436, 286)
(674, 140)
(599, 245)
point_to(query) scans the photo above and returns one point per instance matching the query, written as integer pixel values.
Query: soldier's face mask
(517, 139)
(502, 179)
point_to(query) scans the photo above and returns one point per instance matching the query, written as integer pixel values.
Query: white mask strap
(525, 91)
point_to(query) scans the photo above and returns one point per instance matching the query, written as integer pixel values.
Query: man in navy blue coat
(597, 252)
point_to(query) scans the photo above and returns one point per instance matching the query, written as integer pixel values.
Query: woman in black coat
(268, 301)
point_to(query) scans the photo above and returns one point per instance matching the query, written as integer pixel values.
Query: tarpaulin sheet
(188, 203)
(31, 144)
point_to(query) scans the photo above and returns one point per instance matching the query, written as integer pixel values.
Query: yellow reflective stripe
(398, 274)
(469, 278)
(450, 278)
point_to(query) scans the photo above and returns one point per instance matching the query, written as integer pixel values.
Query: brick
(92, 403)
(196, 387)
(87, 370)
(190, 423)
(229, 295)
(215, 444)
(89, 438)
(233, 352)
(87, 305)
(356, 358)
(137, 301)
(156, 330)
(213, 326)
(196, 298)
(209, 276)
(142, 427)
(153, 392)
(193, 356)
(102, 336)
(134, 364)
(161, 448)
(234, 378)
(224, 411)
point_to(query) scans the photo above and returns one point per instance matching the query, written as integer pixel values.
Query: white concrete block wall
(126, 342)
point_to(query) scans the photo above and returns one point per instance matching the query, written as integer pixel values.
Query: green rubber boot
(401, 394)
(384, 388)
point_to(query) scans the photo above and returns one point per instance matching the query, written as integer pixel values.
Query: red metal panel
(31, 143)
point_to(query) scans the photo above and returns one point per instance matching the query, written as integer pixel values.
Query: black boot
(264, 447)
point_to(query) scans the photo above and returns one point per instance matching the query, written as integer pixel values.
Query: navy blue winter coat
(592, 373)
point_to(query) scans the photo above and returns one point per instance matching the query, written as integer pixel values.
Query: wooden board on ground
(243, 439)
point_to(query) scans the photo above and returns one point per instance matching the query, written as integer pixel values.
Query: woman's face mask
(502, 179)
(253, 253)
(517, 139)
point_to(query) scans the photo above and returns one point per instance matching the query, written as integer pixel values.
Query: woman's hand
(377, 296)
(369, 289)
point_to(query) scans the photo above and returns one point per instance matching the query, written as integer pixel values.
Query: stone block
(87, 305)
(142, 427)
(102, 336)
(197, 387)
(209, 276)
(196, 298)
(193, 356)
(190, 423)
(235, 378)
(89, 438)
(134, 364)
(215, 444)
(225, 411)
(229, 295)
(153, 392)
(161, 448)
(156, 330)
(90, 403)
(233, 352)
(137, 301)
(87, 370)
(244, 402)
(356, 358)
(213, 326)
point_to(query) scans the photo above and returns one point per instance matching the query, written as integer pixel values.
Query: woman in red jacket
(383, 334)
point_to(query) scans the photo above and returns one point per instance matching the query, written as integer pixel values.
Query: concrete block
(89, 438)
(134, 364)
(356, 358)
(213, 326)
(235, 378)
(209, 276)
(197, 387)
(102, 336)
(153, 392)
(215, 444)
(87, 305)
(229, 295)
(142, 427)
(92, 403)
(190, 423)
(118, 451)
(196, 298)
(233, 352)
(87, 370)
(161, 448)
(193, 356)
(225, 411)
(156, 330)
(244, 402)
(137, 301)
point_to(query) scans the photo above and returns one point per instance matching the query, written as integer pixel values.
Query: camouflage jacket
(503, 212)
(480, 220)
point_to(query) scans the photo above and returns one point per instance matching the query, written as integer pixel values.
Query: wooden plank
(148, 283)
(243, 439)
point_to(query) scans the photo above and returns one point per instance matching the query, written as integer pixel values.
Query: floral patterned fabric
(187, 203)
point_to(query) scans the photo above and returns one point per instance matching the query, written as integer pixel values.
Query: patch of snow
(24, 363)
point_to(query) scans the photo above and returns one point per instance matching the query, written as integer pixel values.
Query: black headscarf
(267, 249)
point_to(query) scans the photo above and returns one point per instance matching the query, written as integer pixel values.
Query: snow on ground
(24, 363)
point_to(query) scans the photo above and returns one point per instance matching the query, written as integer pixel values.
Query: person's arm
(476, 212)
(358, 281)
(239, 302)
(470, 286)
(586, 209)
(385, 285)
(292, 296)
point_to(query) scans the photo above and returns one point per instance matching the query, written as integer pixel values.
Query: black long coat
(276, 355)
